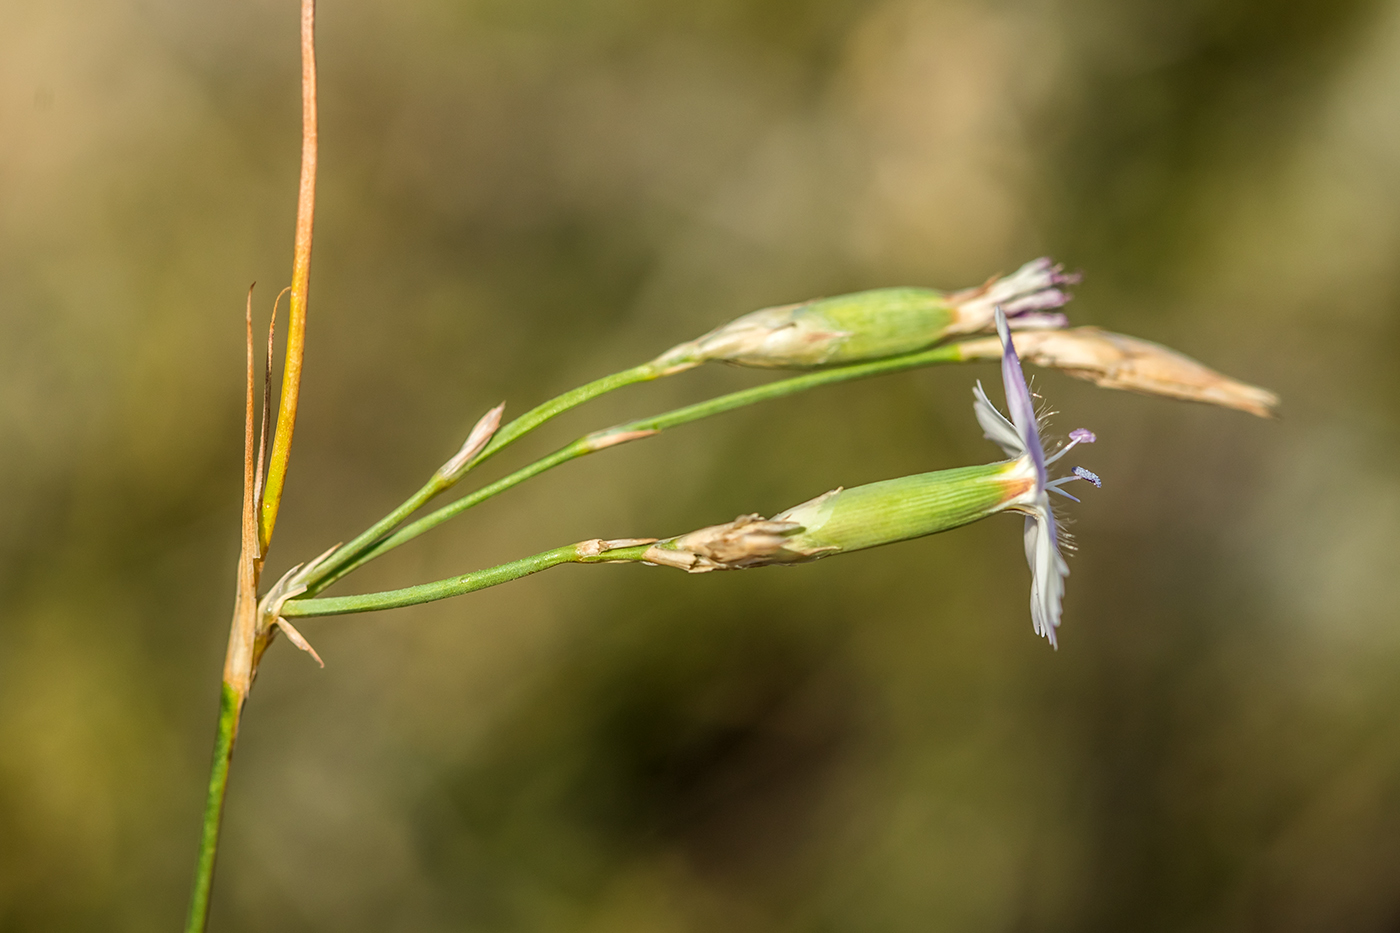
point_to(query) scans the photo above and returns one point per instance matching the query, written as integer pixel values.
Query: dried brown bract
(748, 541)
(1118, 362)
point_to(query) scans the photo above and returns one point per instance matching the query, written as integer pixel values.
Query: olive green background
(519, 195)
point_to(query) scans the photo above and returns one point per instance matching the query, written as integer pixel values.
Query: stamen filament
(1077, 436)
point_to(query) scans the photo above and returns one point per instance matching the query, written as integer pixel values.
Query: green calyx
(882, 322)
(868, 325)
(850, 519)
(900, 509)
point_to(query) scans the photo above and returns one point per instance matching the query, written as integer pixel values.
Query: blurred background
(517, 196)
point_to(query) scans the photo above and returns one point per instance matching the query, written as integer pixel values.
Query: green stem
(343, 557)
(230, 707)
(577, 449)
(561, 403)
(455, 586)
(601, 440)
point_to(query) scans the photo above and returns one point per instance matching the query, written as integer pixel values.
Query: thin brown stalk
(237, 666)
(301, 283)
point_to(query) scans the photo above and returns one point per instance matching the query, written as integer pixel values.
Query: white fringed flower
(1020, 438)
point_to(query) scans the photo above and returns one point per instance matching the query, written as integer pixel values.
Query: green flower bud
(852, 519)
(875, 324)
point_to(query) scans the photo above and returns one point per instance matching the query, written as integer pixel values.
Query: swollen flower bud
(1118, 362)
(851, 519)
(876, 324)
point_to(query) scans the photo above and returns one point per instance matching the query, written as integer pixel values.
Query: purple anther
(1085, 474)
(1082, 436)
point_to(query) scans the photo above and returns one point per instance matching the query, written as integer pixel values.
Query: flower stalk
(835, 522)
(584, 552)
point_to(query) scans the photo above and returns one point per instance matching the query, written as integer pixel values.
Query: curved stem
(347, 556)
(610, 437)
(586, 552)
(538, 415)
(576, 449)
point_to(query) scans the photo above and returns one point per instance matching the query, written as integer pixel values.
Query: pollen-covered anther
(1088, 475)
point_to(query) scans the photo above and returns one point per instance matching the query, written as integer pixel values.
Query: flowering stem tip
(877, 324)
(912, 506)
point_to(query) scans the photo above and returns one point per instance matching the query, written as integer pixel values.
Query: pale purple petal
(1018, 398)
(1020, 436)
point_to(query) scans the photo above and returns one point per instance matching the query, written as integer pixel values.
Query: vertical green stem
(230, 707)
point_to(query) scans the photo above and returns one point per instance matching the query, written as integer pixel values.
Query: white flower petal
(995, 427)
(1048, 570)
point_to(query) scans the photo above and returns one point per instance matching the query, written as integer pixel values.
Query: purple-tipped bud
(876, 324)
(1024, 296)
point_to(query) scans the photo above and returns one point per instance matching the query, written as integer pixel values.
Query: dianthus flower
(1020, 438)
